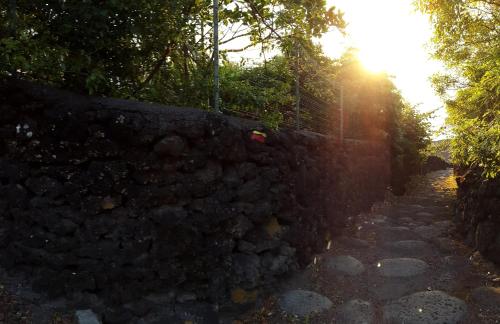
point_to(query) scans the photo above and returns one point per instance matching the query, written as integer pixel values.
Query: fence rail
(306, 112)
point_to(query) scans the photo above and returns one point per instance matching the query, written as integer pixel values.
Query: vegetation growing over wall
(153, 50)
(162, 52)
(467, 39)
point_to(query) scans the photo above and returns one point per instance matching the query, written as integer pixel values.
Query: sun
(390, 37)
(374, 61)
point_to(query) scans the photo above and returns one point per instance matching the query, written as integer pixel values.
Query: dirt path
(400, 263)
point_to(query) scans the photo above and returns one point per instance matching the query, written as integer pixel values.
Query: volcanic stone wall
(121, 199)
(478, 212)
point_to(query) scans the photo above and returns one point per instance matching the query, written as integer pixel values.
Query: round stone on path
(430, 307)
(395, 233)
(456, 262)
(406, 220)
(400, 228)
(444, 244)
(303, 302)
(355, 312)
(379, 219)
(487, 297)
(424, 215)
(401, 267)
(345, 265)
(408, 246)
(353, 242)
(444, 226)
(392, 288)
(428, 232)
(86, 316)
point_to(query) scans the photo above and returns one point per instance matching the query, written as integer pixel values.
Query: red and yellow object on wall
(258, 136)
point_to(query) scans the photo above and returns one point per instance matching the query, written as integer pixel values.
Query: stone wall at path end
(121, 199)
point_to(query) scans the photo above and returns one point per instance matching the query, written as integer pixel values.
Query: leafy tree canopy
(161, 51)
(467, 39)
(151, 49)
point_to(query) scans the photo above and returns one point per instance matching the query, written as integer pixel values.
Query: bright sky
(391, 36)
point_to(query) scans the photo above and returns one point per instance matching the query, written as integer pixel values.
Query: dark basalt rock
(476, 213)
(120, 199)
(434, 163)
(170, 145)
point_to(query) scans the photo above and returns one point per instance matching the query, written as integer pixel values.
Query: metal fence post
(12, 26)
(297, 90)
(341, 127)
(216, 55)
(12, 17)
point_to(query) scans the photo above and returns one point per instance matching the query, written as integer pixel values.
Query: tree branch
(235, 37)
(155, 69)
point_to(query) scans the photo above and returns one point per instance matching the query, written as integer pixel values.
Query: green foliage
(161, 51)
(376, 110)
(479, 144)
(146, 49)
(439, 148)
(467, 39)
(263, 90)
(102, 47)
(409, 144)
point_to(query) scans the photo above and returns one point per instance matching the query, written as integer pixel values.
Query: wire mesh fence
(306, 113)
(296, 107)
